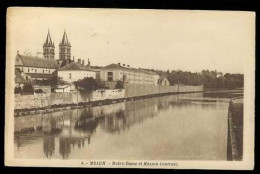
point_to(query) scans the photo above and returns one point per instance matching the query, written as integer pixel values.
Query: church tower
(65, 48)
(48, 47)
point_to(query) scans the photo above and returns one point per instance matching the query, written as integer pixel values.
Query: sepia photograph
(129, 88)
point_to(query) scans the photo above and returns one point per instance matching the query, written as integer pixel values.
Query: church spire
(64, 40)
(65, 48)
(48, 47)
(48, 41)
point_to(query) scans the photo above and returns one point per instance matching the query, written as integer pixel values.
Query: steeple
(65, 48)
(64, 40)
(48, 47)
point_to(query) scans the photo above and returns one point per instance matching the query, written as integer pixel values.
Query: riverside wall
(69, 98)
(65, 98)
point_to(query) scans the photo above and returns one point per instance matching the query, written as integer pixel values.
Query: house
(62, 88)
(35, 68)
(163, 81)
(75, 71)
(44, 89)
(125, 73)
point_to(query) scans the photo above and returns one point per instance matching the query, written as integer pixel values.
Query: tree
(27, 89)
(88, 84)
(17, 90)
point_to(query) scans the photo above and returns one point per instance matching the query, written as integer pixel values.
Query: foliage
(17, 90)
(210, 79)
(119, 85)
(89, 84)
(27, 89)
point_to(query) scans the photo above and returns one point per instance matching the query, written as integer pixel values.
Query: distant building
(62, 88)
(45, 89)
(34, 68)
(75, 71)
(125, 73)
(163, 81)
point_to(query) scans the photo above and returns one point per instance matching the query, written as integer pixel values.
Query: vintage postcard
(124, 88)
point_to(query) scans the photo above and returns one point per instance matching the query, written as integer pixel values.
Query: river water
(175, 127)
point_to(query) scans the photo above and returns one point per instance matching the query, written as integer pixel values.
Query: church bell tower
(48, 47)
(65, 48)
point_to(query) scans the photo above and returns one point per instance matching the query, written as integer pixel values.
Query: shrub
(27, 89)
(119, 85)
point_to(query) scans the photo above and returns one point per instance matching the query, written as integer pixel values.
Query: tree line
(210, 79)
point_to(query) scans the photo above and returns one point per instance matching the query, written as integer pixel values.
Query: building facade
(34, 68)
(115, 72)
(49, 48)
(75, 71)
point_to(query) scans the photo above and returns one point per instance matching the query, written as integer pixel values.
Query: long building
(35, 68)
(116, 72)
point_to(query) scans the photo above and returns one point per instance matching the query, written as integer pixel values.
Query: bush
(17, 90)
(27, 89)
(119, 85)
(88, 84)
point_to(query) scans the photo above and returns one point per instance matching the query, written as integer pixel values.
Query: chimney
(118, 63)
(82, 62)
(79, 61)
(128, 66)
(17, 52)
(123, 64)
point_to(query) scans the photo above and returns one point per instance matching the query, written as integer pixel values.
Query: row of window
(35, 71)
(88, 75)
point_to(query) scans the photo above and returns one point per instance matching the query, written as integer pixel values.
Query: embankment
(235, 130)
(99, 97)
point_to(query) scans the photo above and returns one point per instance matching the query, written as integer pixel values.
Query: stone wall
(131, 90)
(45, 100)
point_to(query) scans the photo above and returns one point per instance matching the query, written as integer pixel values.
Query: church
(35, 68)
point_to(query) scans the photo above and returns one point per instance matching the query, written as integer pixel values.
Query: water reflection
(63, 134)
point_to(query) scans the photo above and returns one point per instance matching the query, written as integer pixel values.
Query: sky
(156, 39)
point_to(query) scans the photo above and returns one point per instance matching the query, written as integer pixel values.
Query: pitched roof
(75, 67)
(36, 62)
(119, 67)
(19, 78)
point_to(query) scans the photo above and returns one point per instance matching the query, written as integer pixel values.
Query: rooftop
(120, 67)
(29, 61)
(75, 66)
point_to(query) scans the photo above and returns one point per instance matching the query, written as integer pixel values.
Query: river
(175, 127)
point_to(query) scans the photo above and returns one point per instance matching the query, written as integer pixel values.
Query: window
(28, 70)
(110, 76)
(49, 71)
(43, 71)
(35, 70)
(70, 76)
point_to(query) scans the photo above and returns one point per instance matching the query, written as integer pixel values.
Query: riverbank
(62, 107)
(235, 130)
